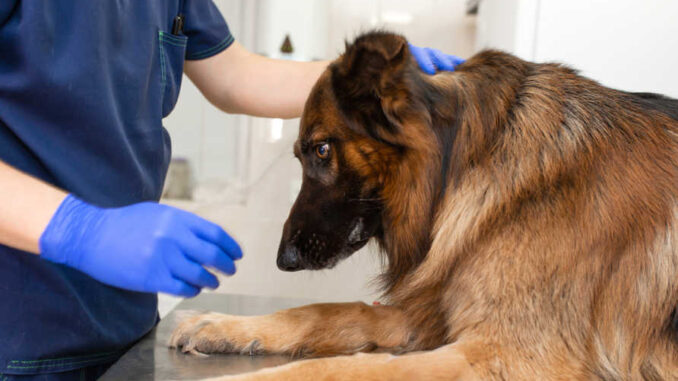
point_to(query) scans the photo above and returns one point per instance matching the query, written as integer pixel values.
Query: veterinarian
(84, 245)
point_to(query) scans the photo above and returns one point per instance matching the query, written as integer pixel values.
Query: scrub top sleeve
(206, 29)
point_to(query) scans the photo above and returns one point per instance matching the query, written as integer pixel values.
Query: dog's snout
(289, 259)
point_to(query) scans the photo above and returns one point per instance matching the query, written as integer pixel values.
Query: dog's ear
(367, 78)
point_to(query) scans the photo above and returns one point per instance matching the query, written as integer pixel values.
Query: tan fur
(350, 328)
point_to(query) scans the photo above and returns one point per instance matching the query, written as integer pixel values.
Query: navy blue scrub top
(84, 85)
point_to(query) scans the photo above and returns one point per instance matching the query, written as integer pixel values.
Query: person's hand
(144, 247)
(432, 60)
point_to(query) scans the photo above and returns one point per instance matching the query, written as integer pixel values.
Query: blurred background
(239, 171)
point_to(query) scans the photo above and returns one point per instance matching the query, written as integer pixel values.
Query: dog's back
(558, 238)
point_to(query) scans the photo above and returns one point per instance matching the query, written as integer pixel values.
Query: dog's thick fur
(529, 217)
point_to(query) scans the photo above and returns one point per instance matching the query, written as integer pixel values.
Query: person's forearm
(241, 82)
(26, 206)
(145, 247)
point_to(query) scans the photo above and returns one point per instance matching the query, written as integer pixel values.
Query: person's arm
(240, 82)
(26, 206)
(145, 247)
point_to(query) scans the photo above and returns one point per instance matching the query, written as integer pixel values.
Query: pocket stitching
(61, 363)
(173, 43)
(170, 37)
(162, 63)
(168, 46)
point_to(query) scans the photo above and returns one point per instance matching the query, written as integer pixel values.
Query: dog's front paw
(215, 333)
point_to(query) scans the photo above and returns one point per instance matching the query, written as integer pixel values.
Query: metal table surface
(152, 359)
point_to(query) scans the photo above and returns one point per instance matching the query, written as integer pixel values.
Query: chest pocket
(172, 53)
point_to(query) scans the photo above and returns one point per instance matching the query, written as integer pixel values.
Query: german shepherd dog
(529, 217)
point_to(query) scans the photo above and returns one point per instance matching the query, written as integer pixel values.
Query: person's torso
(84, 85)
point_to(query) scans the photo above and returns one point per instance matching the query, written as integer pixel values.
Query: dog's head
(352, 146)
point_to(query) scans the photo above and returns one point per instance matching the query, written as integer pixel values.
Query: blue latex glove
(142, 247)
(433, 60)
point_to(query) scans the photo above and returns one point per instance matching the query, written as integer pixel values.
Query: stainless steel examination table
(151, 359)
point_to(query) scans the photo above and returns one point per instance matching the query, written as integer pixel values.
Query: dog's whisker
(365, 199)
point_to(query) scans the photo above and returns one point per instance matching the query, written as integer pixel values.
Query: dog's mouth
(358, 237)
(291, 258)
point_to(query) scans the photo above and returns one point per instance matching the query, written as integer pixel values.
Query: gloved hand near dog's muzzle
(144, 247)
(433, 60)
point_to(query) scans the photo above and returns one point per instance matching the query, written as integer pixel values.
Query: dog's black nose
(288, 259)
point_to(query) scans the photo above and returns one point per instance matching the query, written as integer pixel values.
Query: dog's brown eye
(323, 150)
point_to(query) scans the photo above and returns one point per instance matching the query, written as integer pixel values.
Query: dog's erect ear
(369, 61)
(366, 77)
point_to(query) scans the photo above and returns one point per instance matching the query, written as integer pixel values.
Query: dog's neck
(458, 113)
(419, 185)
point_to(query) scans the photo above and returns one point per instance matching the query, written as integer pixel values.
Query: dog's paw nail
(196, 352)
(253, 347)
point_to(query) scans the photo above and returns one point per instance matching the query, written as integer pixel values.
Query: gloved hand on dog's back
(144, 247)
(433, 60)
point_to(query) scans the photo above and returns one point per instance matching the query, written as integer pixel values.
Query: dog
(528, 215)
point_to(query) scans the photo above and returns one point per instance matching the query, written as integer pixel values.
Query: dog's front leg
(443, 364)
(313, 330)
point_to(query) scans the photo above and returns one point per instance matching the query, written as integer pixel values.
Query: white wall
(626, 44)
(304, 20)
(441, 24)
(508, 25)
